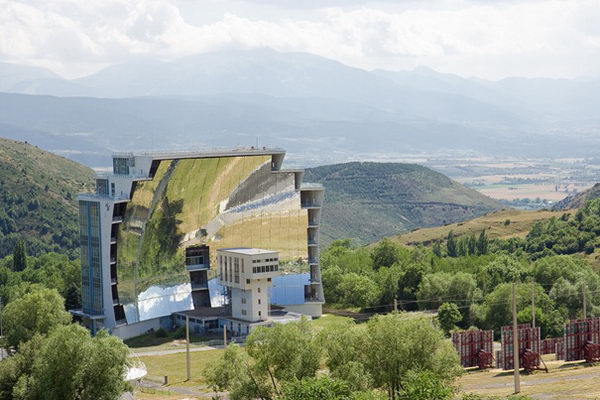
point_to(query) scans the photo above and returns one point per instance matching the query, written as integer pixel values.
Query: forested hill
(579, 199)
(38, 199)
(367, 201)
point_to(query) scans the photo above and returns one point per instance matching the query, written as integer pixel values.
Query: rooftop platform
(203, 153)
(248, 251)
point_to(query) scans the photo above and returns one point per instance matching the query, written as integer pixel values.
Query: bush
(161, 333)
(179, 333)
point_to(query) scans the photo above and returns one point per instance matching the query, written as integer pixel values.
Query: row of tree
(54, 359)
(373, 278)
(390, 357)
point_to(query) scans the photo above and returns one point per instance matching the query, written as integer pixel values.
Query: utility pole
(515, 341)
(224, 336)
(533, 308)
(1, 329)
(187, 346)
(584, 302)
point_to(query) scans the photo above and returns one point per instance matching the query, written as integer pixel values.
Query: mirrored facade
(220, 202)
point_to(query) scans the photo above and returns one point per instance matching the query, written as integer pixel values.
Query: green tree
(437, 248)
(448, 316)
(397, 345)
(425, 385)
(236, 373)
(15, 371)
(19, 256)
(451, 246)
(504, 269)
(385, 254)
(496, 310)
(344, 346)
(73, 365)
(357, 290)
(322, 388)
(482, 243)
(285, 351)
(37, 312)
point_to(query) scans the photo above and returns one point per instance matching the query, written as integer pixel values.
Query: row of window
(265, 260)
(244, 299)
(265, 268)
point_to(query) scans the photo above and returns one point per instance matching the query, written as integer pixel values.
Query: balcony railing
(199, 286)
(310, 204)
(196, 267)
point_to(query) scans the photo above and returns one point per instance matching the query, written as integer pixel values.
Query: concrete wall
(315, 310)
(137, 329)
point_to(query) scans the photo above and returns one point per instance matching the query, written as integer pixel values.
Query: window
(243, 300)
(121, 166)
(236, 270)
(102, 187)
(259, 313)
(258, 290)
(258, 301)
(244, 312)
(242, 265)
(112, 189)
(247, 281)
(268, 279)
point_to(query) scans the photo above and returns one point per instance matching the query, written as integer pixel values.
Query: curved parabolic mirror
(221, 202)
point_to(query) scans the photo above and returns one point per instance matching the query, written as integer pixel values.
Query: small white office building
(248, 274)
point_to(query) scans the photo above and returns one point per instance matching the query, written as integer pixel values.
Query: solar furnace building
(151, 231)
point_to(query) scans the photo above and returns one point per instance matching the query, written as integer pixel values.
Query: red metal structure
(474, 348)
(529, 348)
(551, 345)
(582, 340)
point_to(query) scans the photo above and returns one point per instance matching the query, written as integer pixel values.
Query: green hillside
(368, 201)
(38, 199)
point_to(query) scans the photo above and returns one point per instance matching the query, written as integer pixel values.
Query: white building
(248, 274)
(151, 231)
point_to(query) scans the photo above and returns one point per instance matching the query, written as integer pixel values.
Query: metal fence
(529, 338)
(468, 345)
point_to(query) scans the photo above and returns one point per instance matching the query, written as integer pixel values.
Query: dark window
(121, 166)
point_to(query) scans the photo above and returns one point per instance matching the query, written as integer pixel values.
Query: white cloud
(488, 39)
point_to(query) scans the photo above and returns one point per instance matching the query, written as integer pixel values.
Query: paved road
(174, 351)
(188, 391)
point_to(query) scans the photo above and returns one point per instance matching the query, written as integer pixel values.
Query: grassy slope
(368, 201)
(38, 193)
(494, 224)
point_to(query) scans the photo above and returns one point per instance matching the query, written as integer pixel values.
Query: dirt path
(564, 381)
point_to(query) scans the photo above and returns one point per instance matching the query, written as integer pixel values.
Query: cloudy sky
(484, 38)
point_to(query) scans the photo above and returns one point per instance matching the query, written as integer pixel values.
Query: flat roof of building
(247, 250)
(203, 153)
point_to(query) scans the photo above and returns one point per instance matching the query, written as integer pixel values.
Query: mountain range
(305, 103)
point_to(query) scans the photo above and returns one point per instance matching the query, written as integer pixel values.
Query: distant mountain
(14, 75)
(302, 125)
(305, 103)
(38, 199)
(578, 200)
(369, 201)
